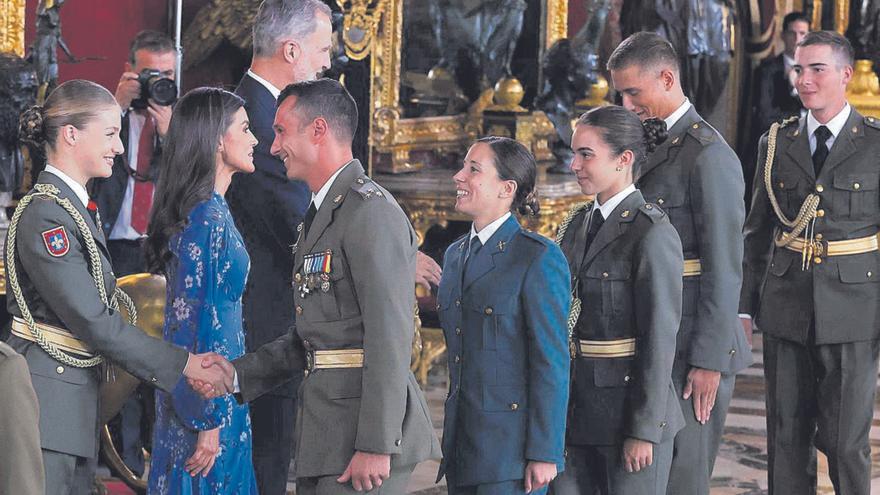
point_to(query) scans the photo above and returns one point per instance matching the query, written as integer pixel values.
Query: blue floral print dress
(206, 278)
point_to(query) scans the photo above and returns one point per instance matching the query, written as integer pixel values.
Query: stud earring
(618, 168)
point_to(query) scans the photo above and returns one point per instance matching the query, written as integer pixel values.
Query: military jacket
(56, 281)
(697, 179)
(839, 295)
(630, 287)
(365, 300)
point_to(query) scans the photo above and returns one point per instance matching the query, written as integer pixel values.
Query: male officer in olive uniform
(812, 276)
(697, 179)
(21, 465)
(363, 422)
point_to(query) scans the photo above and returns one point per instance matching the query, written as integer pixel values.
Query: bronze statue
(42, 52)
(18, 91)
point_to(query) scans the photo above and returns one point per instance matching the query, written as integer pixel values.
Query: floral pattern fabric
(205, 280)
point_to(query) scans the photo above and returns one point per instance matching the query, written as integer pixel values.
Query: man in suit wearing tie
(697, 179)
(125, 198)
(811, 273)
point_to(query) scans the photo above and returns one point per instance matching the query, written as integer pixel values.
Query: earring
(618, 168)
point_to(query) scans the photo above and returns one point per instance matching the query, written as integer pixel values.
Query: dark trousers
(327, 485)
(598, 470)
(819, 396)
(696, 445)
(273, 418)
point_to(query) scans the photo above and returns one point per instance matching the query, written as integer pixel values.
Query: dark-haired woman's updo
(75, 103)
(622, 130)
(515, 162)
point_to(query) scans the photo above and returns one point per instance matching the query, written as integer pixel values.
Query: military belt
(692, 268)
(334, 359)
(61, 338)
(607, 348)
(834, 248)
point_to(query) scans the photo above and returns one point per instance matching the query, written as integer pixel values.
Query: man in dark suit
(124, 199)
(291, 43)
(697, 179)
(811, 277)
(775, 97)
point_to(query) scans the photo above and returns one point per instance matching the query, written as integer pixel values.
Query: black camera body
(160, 89)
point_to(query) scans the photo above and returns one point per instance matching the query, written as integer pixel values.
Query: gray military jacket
(368, 305)
(21, 464)
(840, 295)
(60, 291)
(697, 179)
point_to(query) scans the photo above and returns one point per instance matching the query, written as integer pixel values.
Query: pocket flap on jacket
(612, 372)
(867, 181)
(44, 365)
(857, 271)
(609, 271)
(780, 264)
(506, 398)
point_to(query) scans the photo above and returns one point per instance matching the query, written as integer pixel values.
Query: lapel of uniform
(614, 225)
(797, 147)
(846, 142)
(334, 199)
(495, 246)
(67, 193)
(670, 148)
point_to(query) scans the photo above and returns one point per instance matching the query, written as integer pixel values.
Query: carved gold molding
(841, 15)
(359, 25)
(12, 26)
(555, 21)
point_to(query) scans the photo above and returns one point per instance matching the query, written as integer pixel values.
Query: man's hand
(209, 374)
(748, 328)
(538, 474)
(127, 90)
(162, 116)
(207, 449)
(637, 455)
(427, 271)
(703, 385)
(366, 471)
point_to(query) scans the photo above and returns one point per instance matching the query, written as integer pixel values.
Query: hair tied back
(655, 132)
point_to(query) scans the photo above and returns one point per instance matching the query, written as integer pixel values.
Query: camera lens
(163, 91)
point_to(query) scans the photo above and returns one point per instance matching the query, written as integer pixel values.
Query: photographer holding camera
(145, 93)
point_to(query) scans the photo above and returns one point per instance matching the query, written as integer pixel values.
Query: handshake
(209, 374)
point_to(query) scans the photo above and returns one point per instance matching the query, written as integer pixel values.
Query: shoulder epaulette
(529, 234)
(652, 211)
(573, 212)
(872, 122)
(702, 132)
(365, 186)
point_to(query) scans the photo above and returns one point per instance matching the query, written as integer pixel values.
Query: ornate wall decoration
(360, 25)
(12, 26)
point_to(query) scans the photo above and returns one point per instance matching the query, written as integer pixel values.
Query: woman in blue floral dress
(201, 446)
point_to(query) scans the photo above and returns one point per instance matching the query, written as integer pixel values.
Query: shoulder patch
(368, 189)
(872, 122)
(56, 241)
(702, 132)
(652, 211)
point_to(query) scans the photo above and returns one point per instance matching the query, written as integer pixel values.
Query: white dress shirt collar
(608, 207)
(266, 84)
(78, 188)
(835, 125)
(319, 196)
(486, 232)
(677, 114)
(788, 62)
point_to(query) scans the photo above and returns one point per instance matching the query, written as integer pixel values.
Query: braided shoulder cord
(51, 192)
(575, 311)
(808, 209)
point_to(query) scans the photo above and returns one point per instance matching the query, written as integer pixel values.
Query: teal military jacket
(367, 303)
(60, 291)
(697, 180)
(840, 295)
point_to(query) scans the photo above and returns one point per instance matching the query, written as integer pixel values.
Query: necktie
(596, 221)
(309, 218)
(142, 200)
(473, 250)
(822, 134)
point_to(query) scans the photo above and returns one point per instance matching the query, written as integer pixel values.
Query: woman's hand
(538, 475)
(207, 448)
(637, 454)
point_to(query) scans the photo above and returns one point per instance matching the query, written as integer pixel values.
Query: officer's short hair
(792, 17)
(152, 41)
(645, 50)
(327, 99)
(284, 19)
(840, 46)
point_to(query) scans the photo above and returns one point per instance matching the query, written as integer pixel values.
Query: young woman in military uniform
(626, 262)
(504, 298)
(62, 292)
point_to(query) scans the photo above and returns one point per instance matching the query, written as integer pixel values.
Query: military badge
(316, 271)
(56, 241)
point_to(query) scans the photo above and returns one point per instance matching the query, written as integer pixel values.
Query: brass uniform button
(820, 213)
(857, 186)
(457, 331)
(649, 207)
(604, 274)
(397, 443)
(489, 310)
(59, 370)
(781, 184)
(732, 352)
(817, 260)
(659, 201)
(154, 379)
(869, 274)
(297, 277)
(299, 310)
(819, 237)
(458, 302)
(819, 188)
(626, 379)
(457, 359)
(696, 126)
(663, 424)
(514, 406)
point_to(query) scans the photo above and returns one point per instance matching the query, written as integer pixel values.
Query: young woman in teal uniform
(504, 299)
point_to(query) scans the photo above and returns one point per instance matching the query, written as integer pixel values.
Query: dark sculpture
(42, 52)
(18, 91)
(476, 39)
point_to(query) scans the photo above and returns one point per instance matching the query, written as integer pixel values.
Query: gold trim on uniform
(61, 338)
(336, 358)
(692, 268)
(836, 248)
(607, 348)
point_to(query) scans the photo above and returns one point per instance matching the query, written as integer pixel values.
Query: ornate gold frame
(12, 26)
(389, 133)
